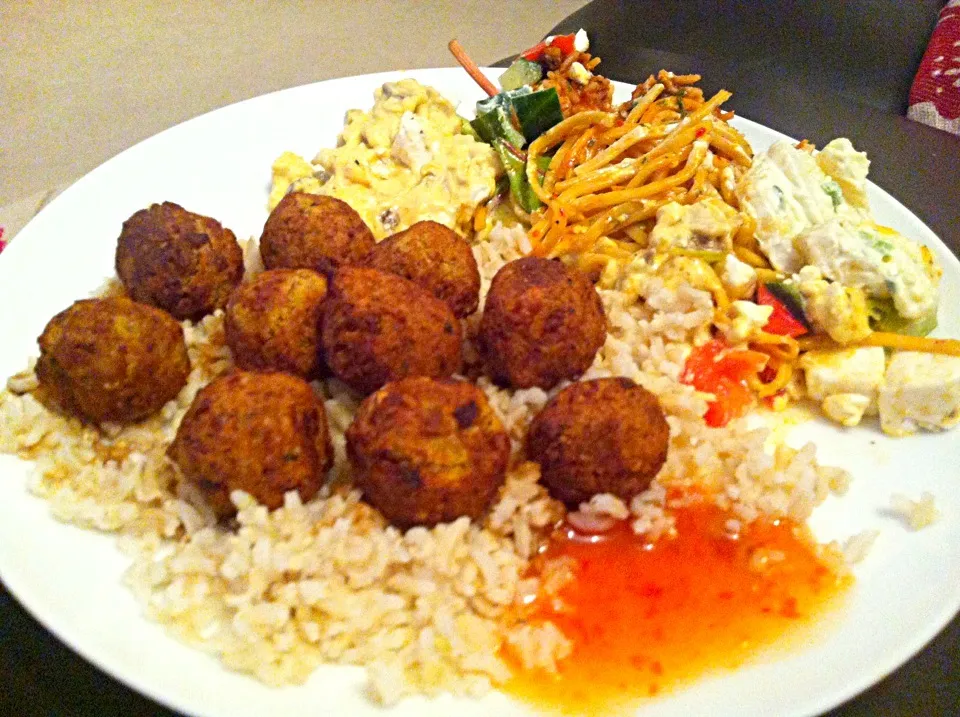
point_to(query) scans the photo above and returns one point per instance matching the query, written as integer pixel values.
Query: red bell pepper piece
(714, 368)
(781, 321)
(535, 53)
(562, 42)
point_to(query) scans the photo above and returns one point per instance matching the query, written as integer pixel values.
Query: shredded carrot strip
(750, 257)
(923, 344)
(480, 218)
(461, 56)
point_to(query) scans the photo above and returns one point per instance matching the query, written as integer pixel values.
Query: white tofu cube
(738, 278)
(845, 371)
(920, 390)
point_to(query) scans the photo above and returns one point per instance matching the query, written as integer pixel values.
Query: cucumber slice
(503, 99)
(884, 317)
(496, 125)
(537, 112)
(521, 72)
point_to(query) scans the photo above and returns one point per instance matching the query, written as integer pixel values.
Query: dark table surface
(918, 165)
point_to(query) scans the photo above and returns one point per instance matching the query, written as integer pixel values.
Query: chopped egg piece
(838, 311)
(409, 145)
(920, 390)
(746, 319)
(289, 169)
(677, 270)
(704, 226)
(847, 409)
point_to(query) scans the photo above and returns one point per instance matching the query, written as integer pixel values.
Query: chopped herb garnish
(781, 198)
(833, 190)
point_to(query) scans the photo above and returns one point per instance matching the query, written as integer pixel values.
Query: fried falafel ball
(262, 433)
(428, 451)
(542, 323)
(272, 322)
(181, 262)
(608, 435)
(112, 359)
(380, 327)
(314, 231)
(436, 258)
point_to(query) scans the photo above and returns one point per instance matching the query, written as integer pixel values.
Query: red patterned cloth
(935, 95)
(3, 244)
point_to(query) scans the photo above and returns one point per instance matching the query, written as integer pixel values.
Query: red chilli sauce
(645, 618)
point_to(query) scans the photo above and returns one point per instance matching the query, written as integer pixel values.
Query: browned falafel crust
(184, 263)
(607, 435)
(438, 259)
(314, 231)
(262, 433)
(112, 359)
(428, 451)
(380, 327)
(272, 321)
(543, 322)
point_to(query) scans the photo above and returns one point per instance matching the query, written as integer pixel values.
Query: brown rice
(425, 611)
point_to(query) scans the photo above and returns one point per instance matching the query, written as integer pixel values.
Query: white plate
(219, 165)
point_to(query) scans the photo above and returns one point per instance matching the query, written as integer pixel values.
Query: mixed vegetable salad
(785, 241)
(518, 114)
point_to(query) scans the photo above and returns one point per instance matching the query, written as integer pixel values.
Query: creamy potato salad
(853, 277)
(404, 161)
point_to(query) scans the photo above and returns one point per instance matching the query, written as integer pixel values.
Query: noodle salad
(812, 297)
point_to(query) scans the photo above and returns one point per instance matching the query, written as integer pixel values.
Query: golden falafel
(608, 435)
(262, 433)
(436, 258)
(543, 322)
(112, 359)
(181, 262)
(380, 327)
(428, 451)
(272, 321)
(314, 231)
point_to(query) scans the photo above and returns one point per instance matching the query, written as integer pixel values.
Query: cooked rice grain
(917, 514)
